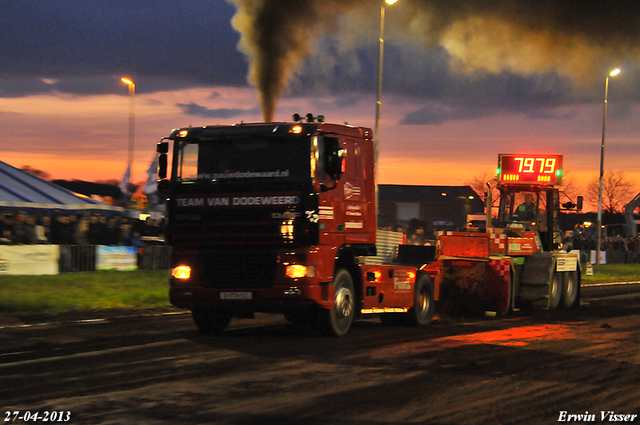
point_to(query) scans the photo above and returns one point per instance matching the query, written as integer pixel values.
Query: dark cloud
(204, 112)
(437, 114)
(572, 38)
(535, 96)
(95, 85)
(462, 58)
(190, 41)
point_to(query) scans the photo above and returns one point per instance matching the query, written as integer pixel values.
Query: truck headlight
(297, 271)
(181, 272)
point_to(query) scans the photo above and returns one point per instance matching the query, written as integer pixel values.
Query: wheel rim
(423, 303)
(343, 304)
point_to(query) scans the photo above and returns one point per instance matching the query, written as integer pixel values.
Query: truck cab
(275, 217)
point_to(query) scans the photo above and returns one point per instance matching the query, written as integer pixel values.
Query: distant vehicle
(476, 222)
(631, 222)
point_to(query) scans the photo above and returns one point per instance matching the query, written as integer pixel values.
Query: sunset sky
(463, 80)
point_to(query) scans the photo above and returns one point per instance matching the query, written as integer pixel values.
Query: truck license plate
(236, 295)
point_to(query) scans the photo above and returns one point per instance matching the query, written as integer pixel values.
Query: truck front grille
(247, 267)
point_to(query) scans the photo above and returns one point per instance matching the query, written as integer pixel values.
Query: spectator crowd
(619, 249)
(86, 228)
(61, 228)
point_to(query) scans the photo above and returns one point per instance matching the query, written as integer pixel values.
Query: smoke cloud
(577, 38)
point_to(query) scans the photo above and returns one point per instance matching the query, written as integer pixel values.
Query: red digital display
(530, 169)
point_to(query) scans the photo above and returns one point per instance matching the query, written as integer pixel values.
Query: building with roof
(443, 207)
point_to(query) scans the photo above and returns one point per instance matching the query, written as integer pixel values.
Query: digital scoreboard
(545, 170)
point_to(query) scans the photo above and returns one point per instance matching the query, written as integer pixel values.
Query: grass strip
(23, 295)
(605, 273)
(83, 291)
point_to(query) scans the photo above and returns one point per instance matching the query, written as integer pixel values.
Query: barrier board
(116, 258)
(29, 259)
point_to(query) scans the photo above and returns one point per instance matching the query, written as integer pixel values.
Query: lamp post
(376, 135)
(604, 127)
(132, 95)
(380, 63)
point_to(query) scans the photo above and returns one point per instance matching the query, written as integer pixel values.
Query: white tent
(19, 189)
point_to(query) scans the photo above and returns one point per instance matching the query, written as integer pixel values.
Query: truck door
(353, 192)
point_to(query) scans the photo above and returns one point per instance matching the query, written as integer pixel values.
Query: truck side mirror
(162, 166)
(580, 201)
(162, 148)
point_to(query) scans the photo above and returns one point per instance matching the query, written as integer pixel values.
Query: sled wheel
(555, 295)
(570, 290)
(422, 311)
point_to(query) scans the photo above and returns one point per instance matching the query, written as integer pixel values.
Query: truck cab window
(235, 160)
(188, 163)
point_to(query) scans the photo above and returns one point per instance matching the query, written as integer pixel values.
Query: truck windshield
(241, 159)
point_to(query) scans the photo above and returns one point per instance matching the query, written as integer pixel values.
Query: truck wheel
(422, 311)
(210, 321)
(570, 290)
(556, 291)
(337, 321)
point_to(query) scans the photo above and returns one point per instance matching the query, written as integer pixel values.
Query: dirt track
(156, 369)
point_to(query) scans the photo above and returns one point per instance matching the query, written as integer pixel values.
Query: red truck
(281, 217)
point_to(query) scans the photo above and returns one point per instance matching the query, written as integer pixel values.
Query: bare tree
(479, 186)
(569, 188)
(617, 190)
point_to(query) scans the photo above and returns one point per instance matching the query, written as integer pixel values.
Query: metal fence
(82, 258)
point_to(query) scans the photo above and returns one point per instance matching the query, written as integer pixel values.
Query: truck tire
(338, 319)
(555, 292)
(423, 299)
(210, 321)
(570, 289)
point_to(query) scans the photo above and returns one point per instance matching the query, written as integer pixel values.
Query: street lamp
(376, 135)
(380, 62)
(604, 126)
(132, 95)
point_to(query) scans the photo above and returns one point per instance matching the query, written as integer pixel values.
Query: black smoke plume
(578, 38)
